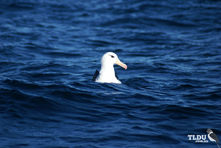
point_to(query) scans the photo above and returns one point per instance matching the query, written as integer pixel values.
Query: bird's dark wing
(212, 135)
(95, 75)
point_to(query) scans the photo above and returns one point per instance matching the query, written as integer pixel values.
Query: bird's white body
(107, 75)
(107, 72)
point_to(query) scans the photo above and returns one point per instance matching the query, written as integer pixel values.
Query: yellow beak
(121, 64)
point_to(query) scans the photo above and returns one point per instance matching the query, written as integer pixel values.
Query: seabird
(212, 137)
(107, 72)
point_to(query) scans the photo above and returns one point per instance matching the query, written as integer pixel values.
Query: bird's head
(209, 131)
(111, 58)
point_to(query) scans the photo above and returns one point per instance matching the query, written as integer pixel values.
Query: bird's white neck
(107, 74)
(107, 70)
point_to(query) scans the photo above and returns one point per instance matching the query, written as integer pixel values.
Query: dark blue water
(49, 51)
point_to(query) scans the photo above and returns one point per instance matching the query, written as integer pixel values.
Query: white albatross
(107, 72)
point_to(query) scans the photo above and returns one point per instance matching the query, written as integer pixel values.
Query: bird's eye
(112, 56)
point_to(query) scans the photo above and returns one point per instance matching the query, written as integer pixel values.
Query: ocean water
(49, 51)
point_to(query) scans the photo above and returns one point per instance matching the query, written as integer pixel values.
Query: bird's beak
(121, 64)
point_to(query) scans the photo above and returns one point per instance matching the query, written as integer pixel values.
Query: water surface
(50, 50)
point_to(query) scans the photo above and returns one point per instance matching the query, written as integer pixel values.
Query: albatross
(107, 72)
